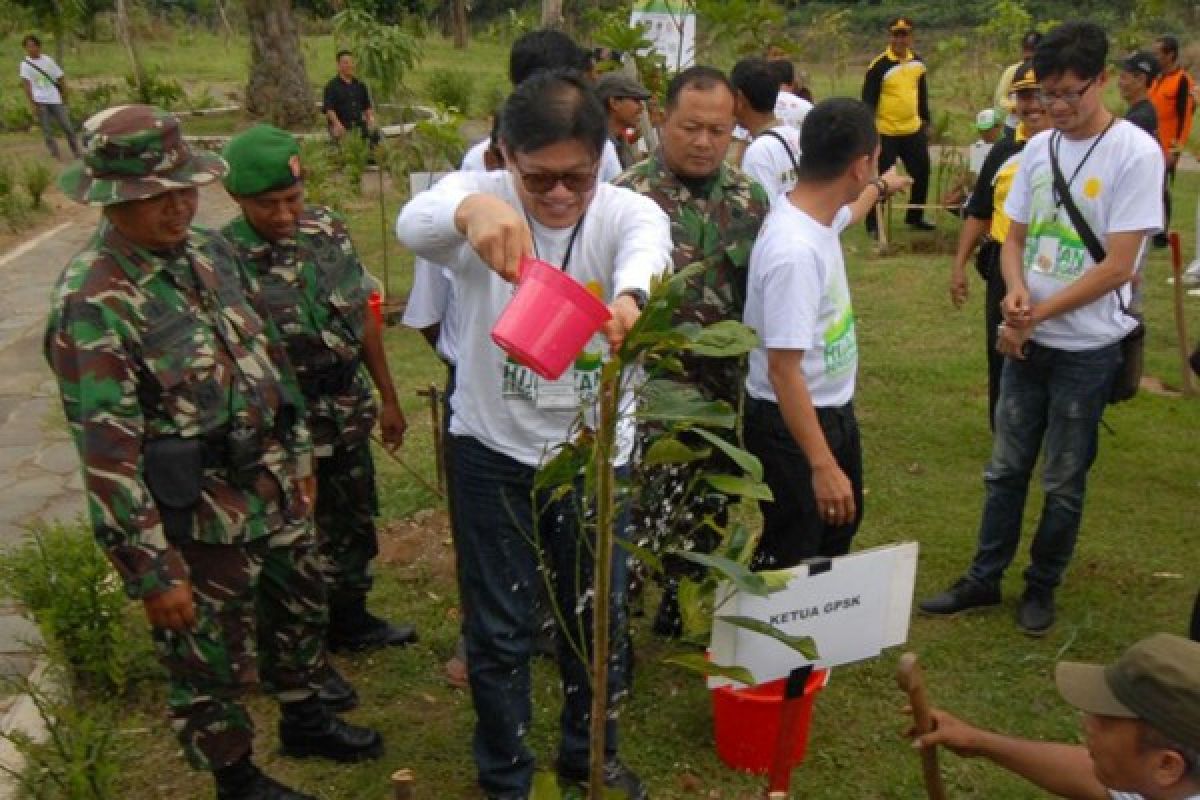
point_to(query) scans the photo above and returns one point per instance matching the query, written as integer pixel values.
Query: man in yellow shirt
(895, 88)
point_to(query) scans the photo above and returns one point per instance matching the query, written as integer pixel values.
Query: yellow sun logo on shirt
(596, 289)
(1092, 187)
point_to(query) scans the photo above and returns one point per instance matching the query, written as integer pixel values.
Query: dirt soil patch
(422, 540)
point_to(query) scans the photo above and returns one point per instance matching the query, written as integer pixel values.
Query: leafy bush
(36, 177)
(155, 89)
(16, 117)
(64, 579)
(7, 181)
(354, 151)
(493, 98)
(452, 89)
(86, 102)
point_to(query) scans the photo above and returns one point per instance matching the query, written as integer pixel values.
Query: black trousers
(793, 529)
(987, 262)
(913, 150)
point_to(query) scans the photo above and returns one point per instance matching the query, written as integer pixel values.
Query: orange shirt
(1171, 95)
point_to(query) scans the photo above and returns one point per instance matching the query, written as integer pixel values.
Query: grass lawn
(922, 401)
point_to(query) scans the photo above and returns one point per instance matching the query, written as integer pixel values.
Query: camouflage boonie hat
(135, 152)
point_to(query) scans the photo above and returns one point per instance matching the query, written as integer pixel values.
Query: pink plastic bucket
(549, 320)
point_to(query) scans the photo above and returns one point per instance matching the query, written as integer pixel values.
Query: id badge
(557, 395)
(1047, 255)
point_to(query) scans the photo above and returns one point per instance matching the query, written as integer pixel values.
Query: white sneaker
(1191, 275)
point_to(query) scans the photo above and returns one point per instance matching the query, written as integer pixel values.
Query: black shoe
(617, 776)
(922, 225)
(308, 729)
(353, 629)
(336, 692)
(1035, 614)
(962, 596)
(668, 620)
(243, 780)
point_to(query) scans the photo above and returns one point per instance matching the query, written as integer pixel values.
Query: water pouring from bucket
(549, 320)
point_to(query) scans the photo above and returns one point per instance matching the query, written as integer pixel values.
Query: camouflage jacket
(317, 292)
(718, 230)
(147, 346)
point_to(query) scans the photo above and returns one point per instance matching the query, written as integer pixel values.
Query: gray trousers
(56, 112)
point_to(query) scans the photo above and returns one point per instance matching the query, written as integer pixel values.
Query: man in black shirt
(1137, 73)
(347, 103)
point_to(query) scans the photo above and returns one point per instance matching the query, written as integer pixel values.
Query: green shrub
(14, 211)
(354, 152)
(36, 177)
(86, 102)
(64, 579)
(16, 117)
(7, 178)
(493, 98)
(319, 178)
(155, 89)
(79, 758)
(452, 89)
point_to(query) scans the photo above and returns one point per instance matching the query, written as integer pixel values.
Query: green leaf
(740, 486)
(696, 600)
(724, 339)
(643, 554)
(777, 579)
(745, 580)
(566, 465)
(671, 402)
(748, 462)
(696, 662)
(669, 450)
(804, 645)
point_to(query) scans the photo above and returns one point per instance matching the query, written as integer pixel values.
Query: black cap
(1143, 62)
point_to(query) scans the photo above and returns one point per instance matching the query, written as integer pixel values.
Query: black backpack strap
(774, 134)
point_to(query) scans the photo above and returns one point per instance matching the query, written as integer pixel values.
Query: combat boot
(243, 780)
(336, 692)
(308, 728)
(353, 628)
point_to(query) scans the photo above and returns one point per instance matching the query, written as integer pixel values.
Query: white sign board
(852, 610)
(671, 25)
(420, 181)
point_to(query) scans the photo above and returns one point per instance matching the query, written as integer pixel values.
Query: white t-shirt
(797, 298)
(610, 164)
(791, 109)
(623, 242)
(431, 302)
(43, 87)
(771, 162)
(1116, 190)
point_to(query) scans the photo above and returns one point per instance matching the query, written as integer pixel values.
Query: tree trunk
(552, 13)
(225, 20)
(126, 36)
(459, 15)
(278, 87)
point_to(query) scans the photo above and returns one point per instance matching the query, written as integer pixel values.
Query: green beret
(261, 159)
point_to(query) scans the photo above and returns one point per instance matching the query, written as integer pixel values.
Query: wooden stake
(402, 784)
(435, 417)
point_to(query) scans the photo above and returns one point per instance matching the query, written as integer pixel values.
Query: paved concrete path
(39, 468)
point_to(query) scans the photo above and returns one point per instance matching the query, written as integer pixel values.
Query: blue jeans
(501, 557)
(1056, 398)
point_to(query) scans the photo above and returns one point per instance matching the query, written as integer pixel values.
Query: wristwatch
(881, 186)
(638, 296)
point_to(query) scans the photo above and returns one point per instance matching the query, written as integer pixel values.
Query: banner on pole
(671, 26)
(853, 607)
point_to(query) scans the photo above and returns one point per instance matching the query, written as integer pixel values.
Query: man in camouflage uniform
(196, 461)
(715, 211)
(317, 291)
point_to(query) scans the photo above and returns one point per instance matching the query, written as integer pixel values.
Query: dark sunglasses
(544, 182)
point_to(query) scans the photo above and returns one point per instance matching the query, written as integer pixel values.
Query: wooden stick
(402, 784)
(419, 477)
(435, 415)
(1188, 384)
(908, 676)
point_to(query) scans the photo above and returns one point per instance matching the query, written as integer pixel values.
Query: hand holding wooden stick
(908, 677)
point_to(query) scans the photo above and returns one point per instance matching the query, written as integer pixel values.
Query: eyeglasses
(544, 182)
(1071, 98)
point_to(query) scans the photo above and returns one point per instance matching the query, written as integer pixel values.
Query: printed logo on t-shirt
(1052, 247)
(578, 385)
(841, 344)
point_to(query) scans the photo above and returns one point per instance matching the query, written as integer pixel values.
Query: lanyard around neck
(570, 242)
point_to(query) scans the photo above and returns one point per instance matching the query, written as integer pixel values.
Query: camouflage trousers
(347, 503)
(260, 611)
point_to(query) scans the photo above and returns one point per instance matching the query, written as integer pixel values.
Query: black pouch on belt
(173, 468)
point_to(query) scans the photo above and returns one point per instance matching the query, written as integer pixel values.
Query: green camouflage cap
(261, 159)
(134, 152)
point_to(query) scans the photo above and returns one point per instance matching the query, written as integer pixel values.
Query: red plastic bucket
(549, 319)
(746, 722)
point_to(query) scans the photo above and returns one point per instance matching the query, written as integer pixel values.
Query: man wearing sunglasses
(505, 420)
(1065, 314)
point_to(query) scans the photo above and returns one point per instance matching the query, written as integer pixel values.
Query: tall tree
(278, 87)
